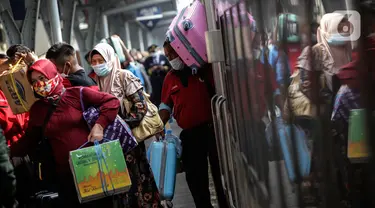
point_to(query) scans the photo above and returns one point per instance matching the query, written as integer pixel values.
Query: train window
(285, 73)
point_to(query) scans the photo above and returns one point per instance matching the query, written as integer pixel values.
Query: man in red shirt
(190, 98)
(12, 125)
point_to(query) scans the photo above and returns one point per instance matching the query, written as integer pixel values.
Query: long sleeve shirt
(13, 125)
(66, 130)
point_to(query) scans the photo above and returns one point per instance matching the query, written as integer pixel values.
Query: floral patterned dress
(143, 192)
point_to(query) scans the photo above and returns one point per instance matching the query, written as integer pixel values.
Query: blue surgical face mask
(338, 40)
(101, 70)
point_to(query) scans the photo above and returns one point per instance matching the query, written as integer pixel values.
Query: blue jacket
(137, 72)
(277, 63)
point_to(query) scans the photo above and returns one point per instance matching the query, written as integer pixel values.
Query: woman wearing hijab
(331, 52)
(352, 177)
(328, 56)
(124, 85)
(66, 129)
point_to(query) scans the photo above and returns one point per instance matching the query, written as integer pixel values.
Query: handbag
(151, 123)
(300, 104)
(116, 130)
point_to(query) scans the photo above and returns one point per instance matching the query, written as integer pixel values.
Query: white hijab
(328, 26)
(106, 84)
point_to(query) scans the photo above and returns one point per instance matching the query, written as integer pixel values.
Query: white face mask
(177, 64)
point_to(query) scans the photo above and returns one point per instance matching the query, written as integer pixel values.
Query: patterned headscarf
(49, 70)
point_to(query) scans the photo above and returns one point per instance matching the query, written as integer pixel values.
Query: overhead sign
(149, 16)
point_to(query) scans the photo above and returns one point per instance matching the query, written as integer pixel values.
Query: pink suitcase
(187, 35)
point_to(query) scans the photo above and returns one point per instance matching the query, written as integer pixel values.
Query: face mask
(338, 40)
(101, 70)
(177, 64)
(63, 72)
(45, 88)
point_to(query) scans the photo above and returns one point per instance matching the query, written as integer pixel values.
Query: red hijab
(49, 70)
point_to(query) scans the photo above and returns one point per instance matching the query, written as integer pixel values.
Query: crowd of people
(57, 116)
(177, 90)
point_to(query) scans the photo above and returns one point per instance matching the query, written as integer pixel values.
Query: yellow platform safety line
(14, 84)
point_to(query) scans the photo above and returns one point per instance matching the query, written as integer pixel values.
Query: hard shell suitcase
(187, 35)
(293, 40)
(163, 157)
(45, 199)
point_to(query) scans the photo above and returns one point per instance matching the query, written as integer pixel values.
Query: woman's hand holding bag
(96, 133)
(118, 130)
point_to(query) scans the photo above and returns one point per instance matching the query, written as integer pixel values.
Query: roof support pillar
(55, 21)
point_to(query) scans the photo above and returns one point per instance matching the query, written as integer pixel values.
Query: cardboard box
(358, 151)
(17, 89)
(89, 180)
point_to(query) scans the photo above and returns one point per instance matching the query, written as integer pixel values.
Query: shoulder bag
(116, 130)
(151, 123)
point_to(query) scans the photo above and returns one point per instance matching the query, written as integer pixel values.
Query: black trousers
(199, 143)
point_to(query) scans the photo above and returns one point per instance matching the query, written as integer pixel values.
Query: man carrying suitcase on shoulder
(190, 98)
